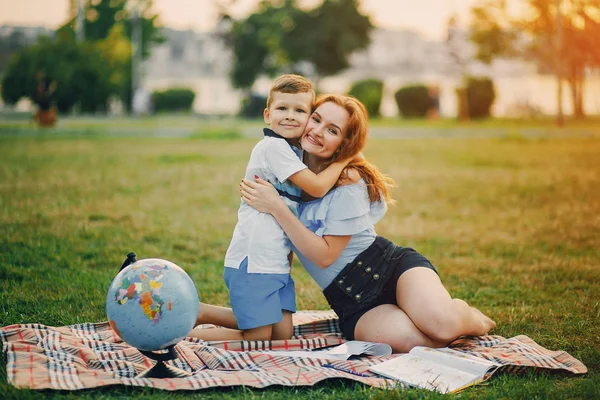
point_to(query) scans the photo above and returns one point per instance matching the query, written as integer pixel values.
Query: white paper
(342, 352)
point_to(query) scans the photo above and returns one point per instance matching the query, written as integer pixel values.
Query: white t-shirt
(257, 235)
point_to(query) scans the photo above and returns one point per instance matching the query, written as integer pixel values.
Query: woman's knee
(444, 323)
(389, 324)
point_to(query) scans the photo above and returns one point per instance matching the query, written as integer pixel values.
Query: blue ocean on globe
(152, 304)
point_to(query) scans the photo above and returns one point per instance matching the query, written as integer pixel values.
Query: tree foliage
(101, 16)
(87, 74)
(78, 69)
(258, 42)
(281, 37)
(328, 34)
(567, 45)
(10, 45)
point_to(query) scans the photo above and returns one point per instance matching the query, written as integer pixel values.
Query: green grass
(513, 225)
(539, 122)
(186, 125)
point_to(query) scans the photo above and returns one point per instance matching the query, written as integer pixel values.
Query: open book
(443, 370)
(341, 352)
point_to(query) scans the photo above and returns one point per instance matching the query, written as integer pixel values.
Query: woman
(380, 291)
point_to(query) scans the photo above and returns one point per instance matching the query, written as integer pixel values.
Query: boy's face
(288, 113)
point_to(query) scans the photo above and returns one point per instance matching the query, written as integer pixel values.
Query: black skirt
(370, 281)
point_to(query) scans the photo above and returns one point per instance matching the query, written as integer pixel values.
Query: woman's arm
(322, 251)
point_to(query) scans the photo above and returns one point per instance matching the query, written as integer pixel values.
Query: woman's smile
(311, 139)
(325, 130)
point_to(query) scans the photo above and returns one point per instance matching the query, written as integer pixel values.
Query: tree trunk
(580, 113)
(577, 84)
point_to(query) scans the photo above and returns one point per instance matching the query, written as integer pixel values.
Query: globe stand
(131, 258)
(160, 369)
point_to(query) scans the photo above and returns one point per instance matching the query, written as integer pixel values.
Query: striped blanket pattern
(90, 355)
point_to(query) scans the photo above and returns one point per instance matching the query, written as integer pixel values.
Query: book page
(456, 360)
(417, 371)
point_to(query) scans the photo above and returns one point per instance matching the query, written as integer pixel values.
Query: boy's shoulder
(275, 143)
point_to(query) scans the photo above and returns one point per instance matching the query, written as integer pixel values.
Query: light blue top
(346, 210)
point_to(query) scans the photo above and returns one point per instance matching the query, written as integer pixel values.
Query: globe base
(160, 369)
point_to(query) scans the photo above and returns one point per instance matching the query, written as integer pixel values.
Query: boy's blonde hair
(290, 83)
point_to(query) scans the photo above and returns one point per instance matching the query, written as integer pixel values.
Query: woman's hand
(260, 195)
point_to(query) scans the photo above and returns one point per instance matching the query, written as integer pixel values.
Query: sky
(428, 17)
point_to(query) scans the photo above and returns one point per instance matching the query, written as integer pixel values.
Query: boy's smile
(288, 113)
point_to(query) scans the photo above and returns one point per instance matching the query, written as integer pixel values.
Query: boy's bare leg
(216, 315)
(283, 329)
(217, 334)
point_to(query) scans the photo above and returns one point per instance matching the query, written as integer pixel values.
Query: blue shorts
(258, 299)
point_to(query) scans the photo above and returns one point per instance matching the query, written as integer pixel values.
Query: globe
(152, 304)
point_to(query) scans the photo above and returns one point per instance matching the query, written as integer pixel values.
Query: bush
(413, 101)
(369, 92)
(480, 97)
(175, 99)
(253, 106)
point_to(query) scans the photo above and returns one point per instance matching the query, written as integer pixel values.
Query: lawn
(512, 223)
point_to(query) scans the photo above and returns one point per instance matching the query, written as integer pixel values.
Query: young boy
(258, 261)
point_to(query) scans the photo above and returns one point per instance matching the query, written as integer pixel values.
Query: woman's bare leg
(389, 324)
(421, 295)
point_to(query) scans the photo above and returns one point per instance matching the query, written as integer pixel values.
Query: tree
(280, 37)
(105, 20)
(328, 34)
(563, 40)
(10, 45)
(257, 42)
(82, 72)
(102, 15)
(460, 56)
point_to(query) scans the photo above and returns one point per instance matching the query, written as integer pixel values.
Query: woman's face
(325, 130)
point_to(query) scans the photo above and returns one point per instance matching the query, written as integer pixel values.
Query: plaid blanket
(90, 355)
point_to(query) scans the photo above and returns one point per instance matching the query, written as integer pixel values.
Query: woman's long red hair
(378, 184)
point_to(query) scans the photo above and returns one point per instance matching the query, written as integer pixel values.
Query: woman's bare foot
(487, 324)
